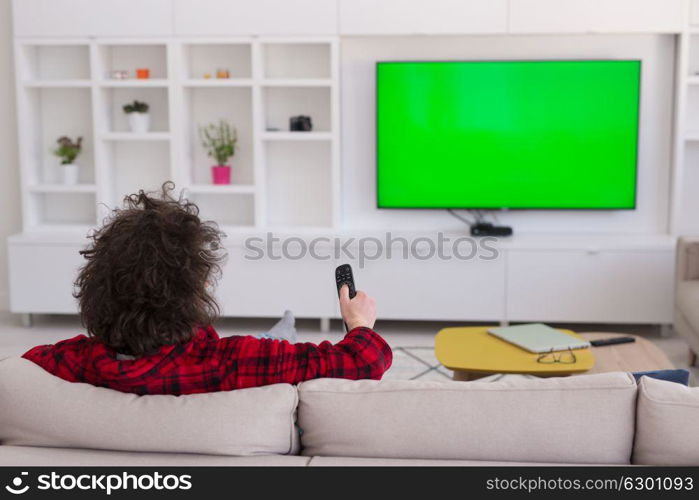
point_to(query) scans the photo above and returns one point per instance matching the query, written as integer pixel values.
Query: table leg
(26, 320)
(462, 376)
(666, 331)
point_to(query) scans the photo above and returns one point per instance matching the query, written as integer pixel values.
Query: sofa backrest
(667, 424)
(582, 419)
(38, 409)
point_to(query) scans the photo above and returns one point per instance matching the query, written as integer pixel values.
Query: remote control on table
(344, 276)
(611, 341)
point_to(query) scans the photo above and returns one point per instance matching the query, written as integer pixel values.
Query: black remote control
(612, 341)
(344, 276)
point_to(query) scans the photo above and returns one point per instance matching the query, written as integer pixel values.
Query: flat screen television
(507, 134)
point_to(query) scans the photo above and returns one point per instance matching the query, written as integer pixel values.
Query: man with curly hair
(145, 296)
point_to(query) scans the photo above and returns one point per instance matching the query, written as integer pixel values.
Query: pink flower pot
(221, 174)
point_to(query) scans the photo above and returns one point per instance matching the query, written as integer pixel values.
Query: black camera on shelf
(300, 123)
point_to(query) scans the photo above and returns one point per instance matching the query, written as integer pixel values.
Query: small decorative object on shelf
(223, 73)
(68, 151)
(300, 123)
(139, 118)
(207, 76)
(119, 74)
(220, 141)
(142, 73)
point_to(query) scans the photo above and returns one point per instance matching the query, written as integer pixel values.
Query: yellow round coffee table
(471, 352)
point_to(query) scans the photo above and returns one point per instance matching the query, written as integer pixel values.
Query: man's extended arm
(362, 354)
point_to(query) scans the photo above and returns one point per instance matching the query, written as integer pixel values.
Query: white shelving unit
(685, 202)
(280, 179)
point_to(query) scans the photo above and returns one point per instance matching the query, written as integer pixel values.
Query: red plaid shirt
(208, 363)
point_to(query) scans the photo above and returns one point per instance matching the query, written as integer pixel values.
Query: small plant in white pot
(68, 151)
(220, 141)
(139, 118)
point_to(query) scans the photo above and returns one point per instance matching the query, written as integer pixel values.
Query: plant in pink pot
(220, 141)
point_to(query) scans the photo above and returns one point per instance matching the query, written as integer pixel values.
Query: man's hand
(359, 311)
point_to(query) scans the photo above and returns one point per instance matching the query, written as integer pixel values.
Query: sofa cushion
(582, 419)
(421, 462)
(667, 424)
(34, 456)
(687, 299)
(678, 376)
(39, 409)
(689, 256)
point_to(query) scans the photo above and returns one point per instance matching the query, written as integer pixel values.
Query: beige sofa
(687, 294)
(589, 419)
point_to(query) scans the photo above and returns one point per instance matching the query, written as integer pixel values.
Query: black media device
(300, 123)
(488, 229)
(344, 276)
(612, 341)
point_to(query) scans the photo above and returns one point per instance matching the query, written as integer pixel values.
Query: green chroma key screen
(507, 134)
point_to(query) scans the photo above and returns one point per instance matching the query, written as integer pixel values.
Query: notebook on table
(537, 337)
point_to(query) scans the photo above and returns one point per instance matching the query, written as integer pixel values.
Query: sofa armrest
(687, 259)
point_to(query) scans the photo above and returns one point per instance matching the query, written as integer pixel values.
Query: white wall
(10, 214)
(358, 58)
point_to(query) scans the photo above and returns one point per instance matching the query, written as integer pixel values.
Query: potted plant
(68, 151)
(220, 141)
(139, 119)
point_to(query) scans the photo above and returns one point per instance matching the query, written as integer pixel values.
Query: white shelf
(296, 136)
(225, 208)
(78, 230)
(270, 80)
(693, 80)
(239, 230)
(306, 232)
(221, 189)
(218, 82)
(297, 82)
(62, 188)
(134, 82)
(130, 136)
(56, 84)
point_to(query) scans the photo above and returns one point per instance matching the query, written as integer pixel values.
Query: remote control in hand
(344, 276)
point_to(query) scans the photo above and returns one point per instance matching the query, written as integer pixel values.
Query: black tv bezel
(505, 208)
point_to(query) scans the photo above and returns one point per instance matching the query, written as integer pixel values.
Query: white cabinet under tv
(574, 278)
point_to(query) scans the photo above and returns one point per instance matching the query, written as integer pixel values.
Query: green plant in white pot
(139, 118)
(68, 151)
(220, 141)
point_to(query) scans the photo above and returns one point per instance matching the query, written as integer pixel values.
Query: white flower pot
(70, 173)
(139, 122)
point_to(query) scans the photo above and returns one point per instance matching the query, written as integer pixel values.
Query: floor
(412, 341)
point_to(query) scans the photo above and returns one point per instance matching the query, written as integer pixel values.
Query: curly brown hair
(148, 270)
